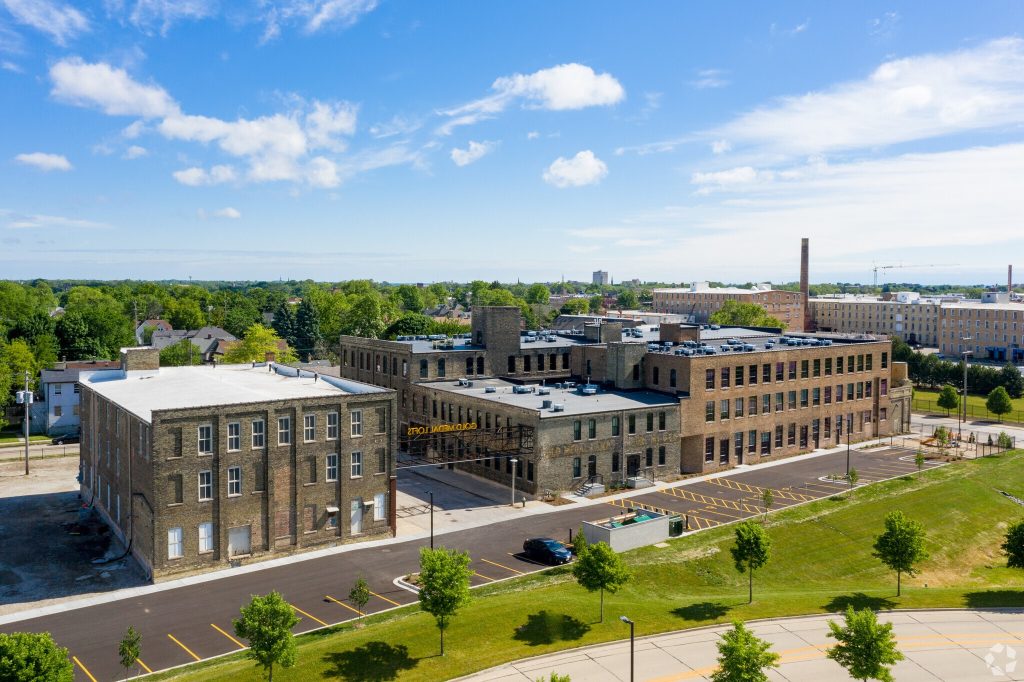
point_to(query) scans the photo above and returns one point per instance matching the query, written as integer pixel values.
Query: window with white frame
(259, 433)
(380, 511)
(357, 464)
(357, 422)
(332, 426)
(284, 430)
(332, 467)
(174, 549)
(234, 436)
(205, 537)
(308, 428)
(205, 485)
(206, 439)
(234, 481)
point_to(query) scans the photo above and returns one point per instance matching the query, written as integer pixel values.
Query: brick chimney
(269, 356)
(143, 358)
(804, 279)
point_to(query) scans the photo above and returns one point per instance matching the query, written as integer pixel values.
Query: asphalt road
(191, 623)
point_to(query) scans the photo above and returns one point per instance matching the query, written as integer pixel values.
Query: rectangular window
(661, 421)
(752, 375)
(723, 451)
(867, 389)
(804, 373)
(816, 367)
(332, 467)
(780, 403)
(868, 360)
(791, 435)
(780, 371)
(860, 363)
(709, 379)
(58, 411)
(883, 414)
(332, 425)
(739, 375)
(828, 395)
(709, 411)
(737, 445)
(752, 406)
(803, 435)
(357, 422)
(791, 400)
(234, 436)
(649, 457)
(766, 403)
(883, 387)
(828, 367)
(849, 364)
(577, 430)
(380, 507)
(766, 442)
(174, 549)
(205, 486)
(615, 426)
(650, 422)
(766, 373)
(308, 428)
(885, 360)
(751, 441)
(738, 407)
(816, 397)
(778, 436)
(615, 462)
(591, 428)
(839, 365)
(709, 449)
(259, 437)
(849, 391)
(205, 537)
(724, 409)
(828, 427)
(206, 439)
(661, 456)
(577, 467)
(726, 376)
(632, 424)
(357, 464)
(284, 430)
(382, 419)
(234, 481)
(792, 369)
(424, 370)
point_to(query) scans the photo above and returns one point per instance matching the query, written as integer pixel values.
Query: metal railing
(931, 407)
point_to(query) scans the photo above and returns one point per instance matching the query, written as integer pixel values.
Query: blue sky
(418, 141)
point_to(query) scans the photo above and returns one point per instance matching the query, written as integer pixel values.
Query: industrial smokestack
(1009, 280)
(804, 282)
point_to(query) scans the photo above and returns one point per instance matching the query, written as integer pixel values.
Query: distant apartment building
(600, 277)
(906, 316)
(700, 301)
(996, 330)
(60, 389)
(198, 467)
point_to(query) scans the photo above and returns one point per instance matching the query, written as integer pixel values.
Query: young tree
(267, 623)
(180, 354)
(628, 300)
(1010, 378)
(1013, 545)
(998, 402)
(538, 294)
(129, 649)
(751, 551)
(736, 314)
(743, 657)
(444, 584)
(31, 656)
(360, 594)
(307, 329)
(256, 343)
(600, 568)
(949, 399)
(579, 542)
(767, 500)
(284, 322)
(555, 677)
(901, 546)
(852, 477)
(864, 646)
(919, 461)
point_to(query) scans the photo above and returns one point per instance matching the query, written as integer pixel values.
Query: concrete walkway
(937, 645)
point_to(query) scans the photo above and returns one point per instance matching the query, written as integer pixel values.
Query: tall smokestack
(1009, 280)
(804, 283)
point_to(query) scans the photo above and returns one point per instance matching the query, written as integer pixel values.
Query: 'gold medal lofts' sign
(439, 428)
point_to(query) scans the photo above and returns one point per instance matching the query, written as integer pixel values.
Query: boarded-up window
(259, 476)
(177, 443)
(382, 461)
(311, 466)
(382, 420)
(174, 489)
(282, 527)
(309, 517)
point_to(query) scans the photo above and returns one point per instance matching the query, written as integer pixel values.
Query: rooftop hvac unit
(558, 407)
(522, 389)
(546, 404)
(463, 381)
(588, 389)
(543, 391)
(490, 389)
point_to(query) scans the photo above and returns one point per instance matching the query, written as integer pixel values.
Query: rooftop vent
(490, 389)
(558, 407)
(543, 391)
(588, 389)
(545, 404)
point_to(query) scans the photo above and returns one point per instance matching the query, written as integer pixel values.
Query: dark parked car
(547, 551)
(62, 440)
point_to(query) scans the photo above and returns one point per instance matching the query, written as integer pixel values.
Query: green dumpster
(675, 526)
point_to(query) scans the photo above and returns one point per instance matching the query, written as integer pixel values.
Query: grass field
(928, 401)
(7, 438)
(821, 561)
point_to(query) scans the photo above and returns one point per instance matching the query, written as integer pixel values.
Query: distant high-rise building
(600, 277)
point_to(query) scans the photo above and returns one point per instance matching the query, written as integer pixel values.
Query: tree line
(931, 371)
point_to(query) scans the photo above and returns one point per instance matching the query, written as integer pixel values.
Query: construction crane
(897, 267)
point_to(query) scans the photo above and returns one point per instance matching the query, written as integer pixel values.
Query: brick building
(194, 467)
(700, 301)
(996, 330)
(907, 316)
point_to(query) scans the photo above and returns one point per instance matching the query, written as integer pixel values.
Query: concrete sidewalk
(937, 645)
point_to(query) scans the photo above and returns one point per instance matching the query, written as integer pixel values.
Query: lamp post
(513, 461)
(431, 493)
(959, 422)
(849, 427)
(630, 623)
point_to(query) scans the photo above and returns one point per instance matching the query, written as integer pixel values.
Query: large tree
(598, 567)
(107, 327)
(1013, 545)
(538, 294)
(284, 322)
(736, 314)
(1011, 379)
(751, 551)
(307, 330)
(31, 657)
(998, 402)
(949, 399)
(743, 657)
(409, 324)
(179, 354)
(901, 546)
(444, 584)
(864, 646)
(256, 343)
(267, 623)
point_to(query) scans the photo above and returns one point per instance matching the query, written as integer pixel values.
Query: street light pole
(959, 422)
(514, 462)
(28, 407)
(431, 519)
(626, 620)
(849, 427)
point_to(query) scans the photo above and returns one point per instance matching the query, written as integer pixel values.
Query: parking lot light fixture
(514, 461)
(627, 621)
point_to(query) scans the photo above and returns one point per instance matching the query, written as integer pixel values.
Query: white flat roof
(171, 388)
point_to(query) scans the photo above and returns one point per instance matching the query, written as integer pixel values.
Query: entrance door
(356, 517)
(632, 465)
(239, 541)
(592, 465)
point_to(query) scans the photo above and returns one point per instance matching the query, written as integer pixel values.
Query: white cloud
(884, 26)
(709, 79)
(474, 152)
(720, 146)
(582, 169)
(165, 13)
(313, 15)
(227, 212)
(109, 89)
(907, 99)
(133, 130)
(398, 125)
(774, 29)
(733, 177)
(44, 161)
(559, 88)
(20, 221)
(135, 152)
(61, 22)
(10, 66)
(532, 135)
(327, 121)
(322, 172)
(196, 176)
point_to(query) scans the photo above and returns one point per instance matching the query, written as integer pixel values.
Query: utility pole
(963, 401)
(28, 408)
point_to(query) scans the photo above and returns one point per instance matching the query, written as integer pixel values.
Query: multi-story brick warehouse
(628, 364)
(906, 316)
(194, 467)
(701, 301)
(996, 331)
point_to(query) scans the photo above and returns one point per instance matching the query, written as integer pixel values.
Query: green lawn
(928, 401)
(821, 561)
(8, 438)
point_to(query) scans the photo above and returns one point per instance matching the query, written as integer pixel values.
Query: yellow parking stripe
(240, 645)
(713, 501)
(380, 596)
(629, 505)
(495, 563)
(712, 510)
(307, 615)
(144, 666)
(779, 493)
(341, 603)
(84, 669)
(484, 576)
(187, 650)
